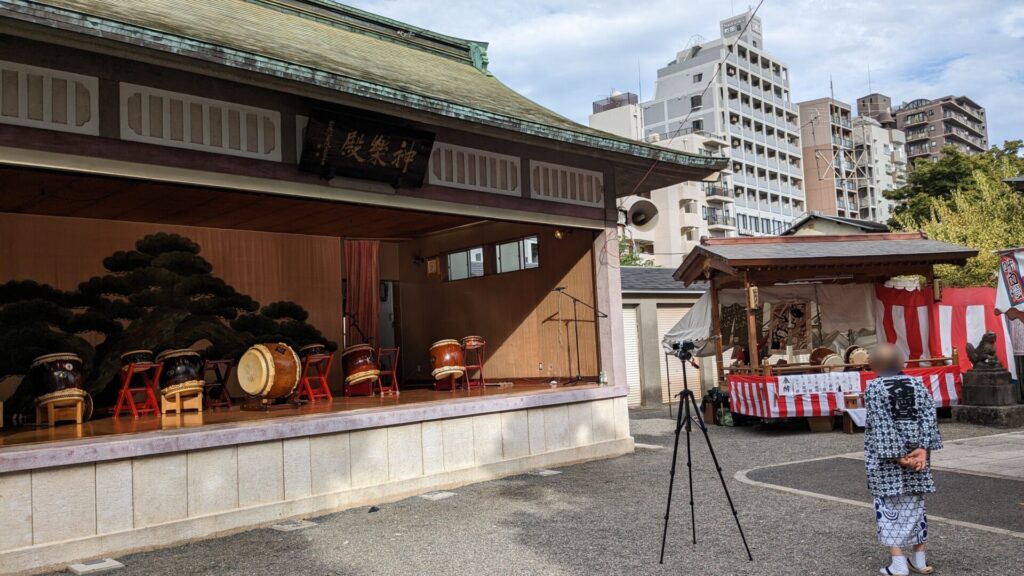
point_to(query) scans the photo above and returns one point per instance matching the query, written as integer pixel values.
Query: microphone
(558, 289)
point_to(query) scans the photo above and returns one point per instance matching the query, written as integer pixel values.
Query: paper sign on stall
(820, 383)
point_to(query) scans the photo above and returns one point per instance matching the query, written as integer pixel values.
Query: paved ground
(605, 518)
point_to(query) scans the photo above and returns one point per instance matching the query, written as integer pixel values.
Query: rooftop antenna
(869, 79)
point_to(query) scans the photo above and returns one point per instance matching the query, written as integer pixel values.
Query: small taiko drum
(832, 363)
(473, 342)
(857, 355)
(269, 371)
(447, 360)
(818, 355)
(181, 370)
(360, 362)
(55, 377)
(137, 357)
(312, 350)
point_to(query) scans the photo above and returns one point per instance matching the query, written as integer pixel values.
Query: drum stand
(684, 419)
(576, 329)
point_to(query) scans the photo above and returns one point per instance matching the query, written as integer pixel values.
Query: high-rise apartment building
(931, 124)
(748, 106)
(881, 163)
(830, 174)
(667, 223)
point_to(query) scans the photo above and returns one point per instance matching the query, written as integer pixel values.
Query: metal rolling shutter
(669, 316)
(632, 348)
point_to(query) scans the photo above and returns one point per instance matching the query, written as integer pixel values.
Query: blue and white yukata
(900, 419)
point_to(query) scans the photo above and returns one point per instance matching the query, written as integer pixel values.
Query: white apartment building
(747, 106)
(665, 224)
(881, 165)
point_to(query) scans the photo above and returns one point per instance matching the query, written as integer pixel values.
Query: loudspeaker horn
(642, 215)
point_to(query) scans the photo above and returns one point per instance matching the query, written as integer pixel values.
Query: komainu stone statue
(984, 355)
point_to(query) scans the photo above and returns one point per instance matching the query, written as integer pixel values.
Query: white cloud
(566, 54)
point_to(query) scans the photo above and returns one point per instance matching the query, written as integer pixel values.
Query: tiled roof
(362, 54)
(648, 280)
(865, 225)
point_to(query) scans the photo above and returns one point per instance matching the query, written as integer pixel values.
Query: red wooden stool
(445, 384)
(477, 346)
(313, 384)
(215, 391)
(149, 373)
(387, 359)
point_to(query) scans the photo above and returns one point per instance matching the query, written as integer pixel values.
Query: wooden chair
(313, 385)
(215, 390)
(387, 359)
(149, 373)
(478, 349)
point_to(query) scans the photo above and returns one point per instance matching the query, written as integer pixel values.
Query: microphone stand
(576, 328)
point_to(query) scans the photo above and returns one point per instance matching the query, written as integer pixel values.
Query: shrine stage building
(274, 135)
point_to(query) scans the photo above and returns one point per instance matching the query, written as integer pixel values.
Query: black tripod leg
(725, 488)
(671, 484)
(688, 422)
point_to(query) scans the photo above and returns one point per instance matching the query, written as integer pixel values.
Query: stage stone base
(998, 416)
(55, 516)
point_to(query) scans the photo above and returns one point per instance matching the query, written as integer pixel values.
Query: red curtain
(362, 271)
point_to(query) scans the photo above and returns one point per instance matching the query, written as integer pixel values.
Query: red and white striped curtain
(909, 319)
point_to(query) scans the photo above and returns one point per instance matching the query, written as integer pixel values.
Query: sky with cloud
(565, 54)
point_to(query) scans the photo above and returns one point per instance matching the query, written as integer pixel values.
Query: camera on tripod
(683, 349)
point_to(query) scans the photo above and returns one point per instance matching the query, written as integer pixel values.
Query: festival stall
(798, 317)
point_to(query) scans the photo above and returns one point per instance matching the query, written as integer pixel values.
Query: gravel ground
(600, 518)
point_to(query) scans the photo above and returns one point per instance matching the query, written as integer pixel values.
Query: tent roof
(858, 257)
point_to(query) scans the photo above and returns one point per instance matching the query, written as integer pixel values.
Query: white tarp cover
(842, 307)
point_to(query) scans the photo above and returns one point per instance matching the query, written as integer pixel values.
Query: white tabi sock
(919, 560)
(898, 565)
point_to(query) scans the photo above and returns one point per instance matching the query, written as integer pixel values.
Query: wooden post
(716, 333)
(754, 359)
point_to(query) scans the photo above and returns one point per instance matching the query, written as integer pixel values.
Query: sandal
(916, 570)
(891, 573)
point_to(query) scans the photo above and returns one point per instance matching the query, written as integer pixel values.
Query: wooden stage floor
(107, 426)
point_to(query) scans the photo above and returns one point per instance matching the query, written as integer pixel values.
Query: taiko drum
(360, 362)
(269, 371)
(447, 359)
(181, 369)
(137, 357)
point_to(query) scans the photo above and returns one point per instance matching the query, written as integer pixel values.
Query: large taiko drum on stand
(360, 363)
(447, 360)
(857, 355)
(57, 377)
(312, 350)
(269, 371)
(181, 370)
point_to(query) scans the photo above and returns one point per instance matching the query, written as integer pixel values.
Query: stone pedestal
(988, 398)
(987, 388)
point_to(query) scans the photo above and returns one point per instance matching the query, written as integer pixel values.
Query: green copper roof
(334, 46)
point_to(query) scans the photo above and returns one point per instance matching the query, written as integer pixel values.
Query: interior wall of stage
(528, 327)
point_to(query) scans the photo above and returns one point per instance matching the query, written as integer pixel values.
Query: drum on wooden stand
(447, 360)
(137, 357)
(181, 370)
(361, 369)
(312, 350)
(832, 363)
(857, 355)
(473, 342)
(58, 377)
(818, 355)
(269, 371)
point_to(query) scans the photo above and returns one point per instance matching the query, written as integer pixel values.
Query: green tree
(930, 182)
(986, 215)
(629, 257)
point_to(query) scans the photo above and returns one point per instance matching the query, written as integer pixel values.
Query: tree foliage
(933, 183)
(629, 257)
(987, 216)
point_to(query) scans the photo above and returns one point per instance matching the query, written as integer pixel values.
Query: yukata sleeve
(881, 436)
(930, 438)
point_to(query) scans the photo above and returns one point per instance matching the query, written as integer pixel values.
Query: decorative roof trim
(71, 21)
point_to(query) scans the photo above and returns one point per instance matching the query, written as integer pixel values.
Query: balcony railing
(841, 121)
(720, 219)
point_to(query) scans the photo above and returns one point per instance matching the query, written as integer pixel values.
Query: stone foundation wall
(52, 516)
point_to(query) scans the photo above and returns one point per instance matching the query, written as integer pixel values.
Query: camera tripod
(684, 419)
